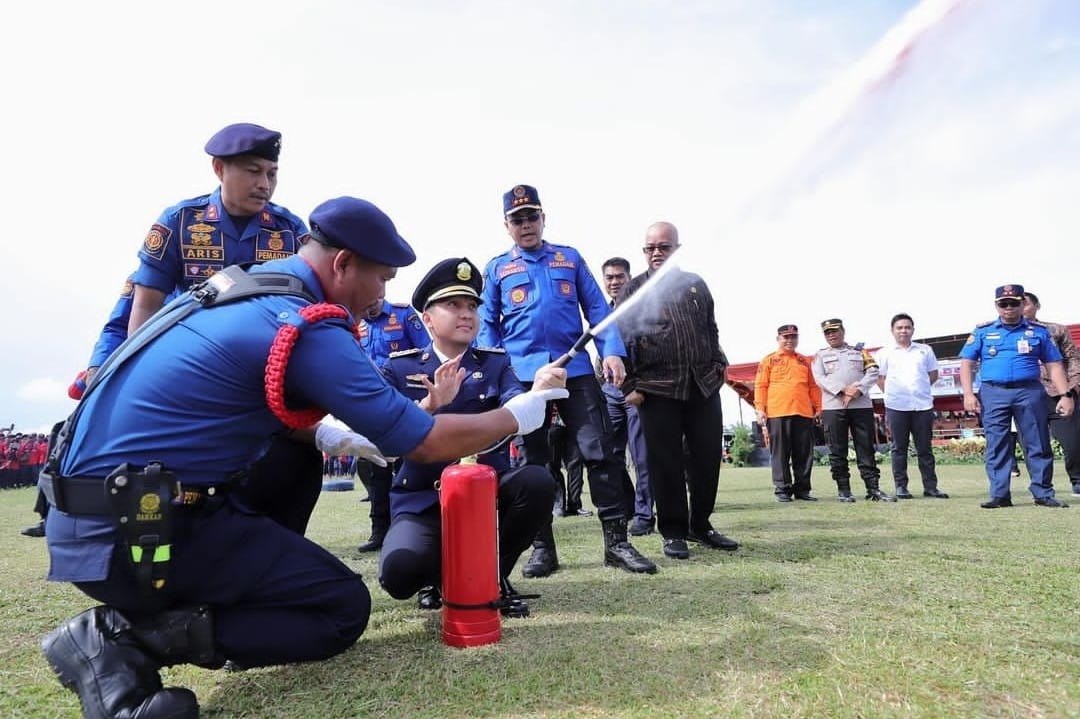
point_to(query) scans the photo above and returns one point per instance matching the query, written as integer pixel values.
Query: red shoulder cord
(278, 361)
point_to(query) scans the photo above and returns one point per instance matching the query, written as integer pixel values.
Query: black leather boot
(514, 605)
(378, 534)
(113, 665)
(374, 543)
(874, 494)
(618, 552)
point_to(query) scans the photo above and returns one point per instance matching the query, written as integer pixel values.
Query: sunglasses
(649, 249)
(1008, 303)
(522, 217)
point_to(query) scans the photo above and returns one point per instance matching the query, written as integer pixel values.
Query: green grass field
(924, 608)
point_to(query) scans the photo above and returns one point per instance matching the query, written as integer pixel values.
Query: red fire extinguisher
(470, 555)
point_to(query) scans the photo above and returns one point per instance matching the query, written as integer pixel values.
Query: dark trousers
(627, 435)
(584, 413)
(919, 426)
(276, 597)
(377, 481)
(667, 422)
(1066, 430)
(859, 424)
(565, 454)
(285, 483)
(412, 551)
(791, 453)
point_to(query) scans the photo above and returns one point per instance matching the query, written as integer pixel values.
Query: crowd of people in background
(21, 457)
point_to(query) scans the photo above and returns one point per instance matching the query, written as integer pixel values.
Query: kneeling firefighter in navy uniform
(143, 477)
(450, 375)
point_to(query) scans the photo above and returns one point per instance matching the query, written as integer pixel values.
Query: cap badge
(519, 191)
(477, 374)
(464, 272)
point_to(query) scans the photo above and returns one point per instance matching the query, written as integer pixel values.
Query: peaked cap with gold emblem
(453, 277)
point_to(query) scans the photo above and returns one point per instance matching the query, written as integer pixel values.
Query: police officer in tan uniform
(845, 375)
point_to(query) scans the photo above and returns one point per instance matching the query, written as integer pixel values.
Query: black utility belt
(1011, 385)
(89, 495)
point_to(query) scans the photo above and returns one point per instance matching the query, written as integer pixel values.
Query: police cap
(453, 277)
(833, 324)
(787, 330)
(1007, 292)
(244, 138)
(521, 197)
(357, 225)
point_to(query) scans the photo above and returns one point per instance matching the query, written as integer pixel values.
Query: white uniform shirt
(907, 376)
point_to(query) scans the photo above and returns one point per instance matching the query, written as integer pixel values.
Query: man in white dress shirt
(906, 372)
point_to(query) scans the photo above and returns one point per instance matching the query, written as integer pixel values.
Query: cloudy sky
(810, 177)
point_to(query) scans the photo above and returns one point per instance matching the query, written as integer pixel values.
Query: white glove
(336, 441)
(530, 408)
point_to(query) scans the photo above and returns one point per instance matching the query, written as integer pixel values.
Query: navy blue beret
(244, 138)
(453, 277)
(360, 227)
(1015, 292)
(521, 197)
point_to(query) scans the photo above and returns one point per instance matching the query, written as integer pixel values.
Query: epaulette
(859, 346)
(985, 324)
(405, 353)
(401, 305)
(1040, 323)
(493, 350)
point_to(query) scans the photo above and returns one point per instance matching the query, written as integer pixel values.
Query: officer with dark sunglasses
(1010, 350)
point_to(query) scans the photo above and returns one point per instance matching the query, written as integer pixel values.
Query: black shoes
(640, 527)
(876, 495)
(997, 503)
(35, 530)
(372, 545)
(512, 604)
(1051, 502)
(935, 494)
(97, 655)
(784, 498)
(845, 496)
(805, 496)
(903, 493)
(676, 549)
(618, 552)
(574, 510)
(712, 538)
(542, 562)
(429, 598)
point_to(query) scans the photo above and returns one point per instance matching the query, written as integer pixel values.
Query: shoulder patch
(157, 239)
(492, 350)
(405, 353)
